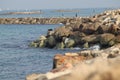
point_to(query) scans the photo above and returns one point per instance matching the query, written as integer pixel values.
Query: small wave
(95, 47)
(14, 46)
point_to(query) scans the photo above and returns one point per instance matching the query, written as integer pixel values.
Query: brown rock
(114, 29)
(117, 39)
(106, 38)
(90, 39)
(61, 32)
(61, 60)
(89, 28)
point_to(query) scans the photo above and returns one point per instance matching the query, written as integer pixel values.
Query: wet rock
(34, 44)
(69, 43)
(42, 43)
(60, 45)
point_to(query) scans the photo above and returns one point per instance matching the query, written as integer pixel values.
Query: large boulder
(42, 41)
(60, 45)
(117, 39)
(107, 39)
(77, 35)
(90, 39)
(61, 32)
(89, 28)
(115, 29)
(51, 42)
(102, 29)
(86, 45)
(86, 20)
(69, 43)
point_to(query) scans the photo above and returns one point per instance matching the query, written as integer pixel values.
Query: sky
(58, 4)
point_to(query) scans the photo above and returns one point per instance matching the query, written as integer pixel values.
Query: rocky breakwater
(102, 29)
(84, 65)
(35, 20)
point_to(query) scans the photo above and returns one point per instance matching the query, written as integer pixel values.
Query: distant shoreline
(30, 20)
(28, 12)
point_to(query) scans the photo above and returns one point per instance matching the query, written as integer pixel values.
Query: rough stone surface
(84, 65)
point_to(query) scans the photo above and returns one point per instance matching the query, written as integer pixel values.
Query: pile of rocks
(31, 20)
(102, 29)
(75, 58)
(84, 65)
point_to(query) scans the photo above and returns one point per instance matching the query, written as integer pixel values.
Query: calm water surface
(16, 58)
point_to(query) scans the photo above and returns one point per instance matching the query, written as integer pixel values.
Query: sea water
(17, 59)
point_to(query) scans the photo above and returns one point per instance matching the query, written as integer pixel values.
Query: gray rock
(69, 43)
(60, 45)
(86, 45)
(51, 41)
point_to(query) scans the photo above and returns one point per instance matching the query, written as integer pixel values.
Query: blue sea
(17, 59)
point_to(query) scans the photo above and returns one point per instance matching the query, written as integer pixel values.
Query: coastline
(102, 29)
(102, 64)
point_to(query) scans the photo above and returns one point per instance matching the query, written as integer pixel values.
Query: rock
(42, 38)
(114, 29)
(103, 29)
(61, 60)
(71, 54)
(118, 19)
(100, 29)
(111, 43)
(61, 32)
(90, 39)
(51, 42)
(69, 43)
(114, 52)
(101, 64)
(106, 38)
(86, 20)
(36, 77)
(90, 53)
(86, 45)
(76, 26)
(117, 39)
(34, 44)
(88, 28)
(77, 36)
(60, 45)
(42, 43)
